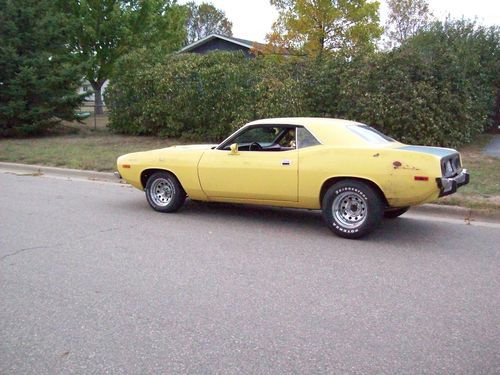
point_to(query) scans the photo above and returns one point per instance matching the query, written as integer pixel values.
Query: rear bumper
(449, 186)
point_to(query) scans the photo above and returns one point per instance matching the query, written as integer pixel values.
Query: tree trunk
(496, 113)
(99, 105)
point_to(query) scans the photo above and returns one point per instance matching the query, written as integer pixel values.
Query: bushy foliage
(205, 19)
(196, 96)
(182, 95)
(325, 26)
(438, 88)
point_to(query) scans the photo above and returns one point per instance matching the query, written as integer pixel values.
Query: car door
(252, 175)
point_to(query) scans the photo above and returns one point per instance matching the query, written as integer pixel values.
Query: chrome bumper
(449, 186)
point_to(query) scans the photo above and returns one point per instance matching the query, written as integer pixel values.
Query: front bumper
(449, 186)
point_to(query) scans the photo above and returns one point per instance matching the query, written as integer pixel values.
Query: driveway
(493, 148)
(92, 281)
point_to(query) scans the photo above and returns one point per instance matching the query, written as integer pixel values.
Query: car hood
(145, 155)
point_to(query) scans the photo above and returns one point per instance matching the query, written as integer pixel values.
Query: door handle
(286, 162)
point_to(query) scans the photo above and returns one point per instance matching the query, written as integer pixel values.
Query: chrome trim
(449, 186)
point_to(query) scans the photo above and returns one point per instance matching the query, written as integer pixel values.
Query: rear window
(305, 138)
(369, 134)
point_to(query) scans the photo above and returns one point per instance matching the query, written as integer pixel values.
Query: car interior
(265, 139)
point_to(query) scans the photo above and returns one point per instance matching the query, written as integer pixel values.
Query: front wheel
(352, 208)
(164, 192)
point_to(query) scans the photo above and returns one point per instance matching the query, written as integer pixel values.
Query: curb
(458, 212)
(463, 213)
(59, 172)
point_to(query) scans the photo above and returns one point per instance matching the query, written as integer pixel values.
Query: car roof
(305, 121)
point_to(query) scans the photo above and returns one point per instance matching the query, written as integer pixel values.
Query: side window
(264, 136)
(305, 138)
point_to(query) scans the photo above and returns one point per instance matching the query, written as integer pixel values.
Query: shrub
(184, 95)
(438, 88)
(198, 96)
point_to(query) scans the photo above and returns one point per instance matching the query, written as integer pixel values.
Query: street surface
(493, 148)
(92, 281)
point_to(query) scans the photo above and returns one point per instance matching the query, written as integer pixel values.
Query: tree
(406, 19)
(104, 30)
(38, 77)
(205, 19)
(316, 26)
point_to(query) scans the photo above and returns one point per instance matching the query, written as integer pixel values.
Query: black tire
(360, 218)
(396, 212)
(164, 192)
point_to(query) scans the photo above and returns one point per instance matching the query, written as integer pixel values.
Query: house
(213, 42)
(87, 87)
(216, 42)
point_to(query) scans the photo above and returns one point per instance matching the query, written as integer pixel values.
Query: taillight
(421, 178)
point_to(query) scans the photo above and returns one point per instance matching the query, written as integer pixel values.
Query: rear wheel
(164, 192)
(352, 208)
(396, 212)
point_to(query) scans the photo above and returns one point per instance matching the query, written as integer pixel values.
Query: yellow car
(353, 173)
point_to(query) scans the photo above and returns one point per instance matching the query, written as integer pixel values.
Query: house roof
(241, 42)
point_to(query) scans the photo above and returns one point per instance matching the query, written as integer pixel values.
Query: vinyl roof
(306, 121)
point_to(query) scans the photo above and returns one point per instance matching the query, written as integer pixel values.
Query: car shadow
(279, 217)
(404, 230)
(408, 231)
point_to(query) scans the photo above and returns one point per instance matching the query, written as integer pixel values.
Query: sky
(253, 19)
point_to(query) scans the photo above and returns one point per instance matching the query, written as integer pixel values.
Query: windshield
(370, 134)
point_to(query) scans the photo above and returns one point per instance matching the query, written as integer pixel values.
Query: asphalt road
(92, 281)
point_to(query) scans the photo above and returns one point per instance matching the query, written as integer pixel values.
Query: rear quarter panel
(392, 170)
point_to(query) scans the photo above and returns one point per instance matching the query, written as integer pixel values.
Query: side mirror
(234, 149)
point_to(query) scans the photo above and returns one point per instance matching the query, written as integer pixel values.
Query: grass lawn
(98, 150)
(92, 151)
(483, 191)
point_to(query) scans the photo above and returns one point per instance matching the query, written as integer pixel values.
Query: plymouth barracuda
(351, 172)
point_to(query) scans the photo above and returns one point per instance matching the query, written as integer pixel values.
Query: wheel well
(328, 183)
(148, 173)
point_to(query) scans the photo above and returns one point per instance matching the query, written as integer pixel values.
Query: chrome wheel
(350, 209)
(162, 191)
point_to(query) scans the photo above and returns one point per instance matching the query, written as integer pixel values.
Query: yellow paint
(249, 175)
(292, 178)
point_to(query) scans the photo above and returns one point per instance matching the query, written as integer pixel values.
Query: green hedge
(197, 96)
(438, 89)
